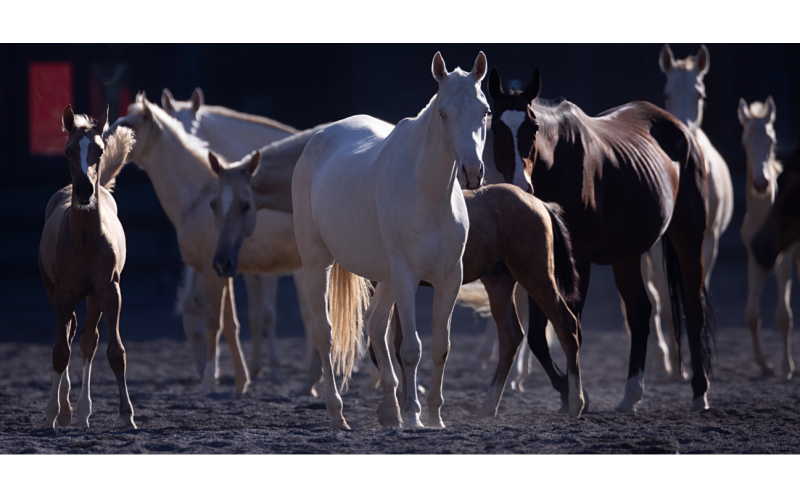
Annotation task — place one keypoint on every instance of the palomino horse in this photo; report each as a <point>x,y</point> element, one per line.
<point>81,255</point>
<point>625,178</point>
<point>232,135</point>
<point>383,203</point>
<point>512,236</point>
<point>685,93</point>
<point>758,138</point>
<point>177,165</point>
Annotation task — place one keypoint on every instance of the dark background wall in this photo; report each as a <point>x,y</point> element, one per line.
<point>304,85</point>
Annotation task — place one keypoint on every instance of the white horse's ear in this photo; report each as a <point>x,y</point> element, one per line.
<point>214,163</point>
<point>255,161</point>
<point>666,61</point>
<point>197,99</point>
<point>68,119</point>
<point>438,68</point>
<point>167,101</point>
<point>770,105</point>
<point>141,96</point>
<point>102,123</point>
<point>743,112</point>
<point>479,69</point>
<point>703,61</point>
<point>147,113</point>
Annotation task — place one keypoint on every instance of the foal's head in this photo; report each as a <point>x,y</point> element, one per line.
<point>463,112</point>
<point>685,90</point>
<point>758,139</point>
<point>514,128</point>
<point>84,149</point>
<point>183,111</point>
<point>234,209</point>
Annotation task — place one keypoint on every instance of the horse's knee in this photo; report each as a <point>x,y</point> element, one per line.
<point>116,357</point>
<point>88,343</point>
<point>783,317</point>
<point>752,316</point>
<point>61,355</point>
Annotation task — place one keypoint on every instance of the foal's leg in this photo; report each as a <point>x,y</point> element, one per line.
<point>65,414</point>
<point>214,293</point>
<point>521,367</point>
<point>628,277</point>
<point>500,288</point>
<point>444,300</point>
<point>405,288</point>
<point>230,328</point>
<point>88,342</point>
<point>752,312</point>
<point>116,352</point>
<point>58,404</point>
<point>783,311</point>
<point>378,314</point>
<point>255,316</point>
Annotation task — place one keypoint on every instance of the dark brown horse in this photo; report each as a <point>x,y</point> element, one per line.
<point>624,179</point>
<point>781,229</point>
<point>81,255</point>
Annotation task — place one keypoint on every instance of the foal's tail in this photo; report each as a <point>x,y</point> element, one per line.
<point>566,273</point>
<point>118,145</point>
<point>348,299</point>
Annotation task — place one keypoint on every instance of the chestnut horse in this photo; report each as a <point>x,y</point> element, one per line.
<point>81,255</point>
<point>624,179</point>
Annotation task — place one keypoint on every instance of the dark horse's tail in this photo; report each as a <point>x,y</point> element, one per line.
<point>566,273</point>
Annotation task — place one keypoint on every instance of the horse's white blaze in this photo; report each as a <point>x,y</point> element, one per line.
<point>227,199</point>
<point>513,120</point>
<point>84,153</point>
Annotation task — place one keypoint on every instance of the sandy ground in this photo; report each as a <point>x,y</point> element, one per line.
<point>749,414</point>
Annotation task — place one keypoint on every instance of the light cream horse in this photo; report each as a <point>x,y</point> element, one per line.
<point>177,164</point>
<point>758,139</point>
<point>232,135</point>
<point>684,93</point>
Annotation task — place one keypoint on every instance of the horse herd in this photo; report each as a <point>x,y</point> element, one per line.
<point>363,212</point>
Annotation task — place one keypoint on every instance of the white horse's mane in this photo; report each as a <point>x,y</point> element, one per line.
<point>223,114</point>
<point>176,132</point>
<point>286,143</point>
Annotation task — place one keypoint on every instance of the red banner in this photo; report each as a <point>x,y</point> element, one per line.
<point>49,90</point>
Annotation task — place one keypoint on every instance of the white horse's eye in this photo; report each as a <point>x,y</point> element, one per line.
<point>442,115</point>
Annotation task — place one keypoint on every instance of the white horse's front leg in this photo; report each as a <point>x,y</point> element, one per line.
<point>752,312</point>
<point>783,311</point>
<point>444,299</point>
<point>380,309</point>
<point>405,289</point>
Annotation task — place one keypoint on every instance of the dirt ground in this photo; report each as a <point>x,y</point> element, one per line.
<point>749,414</point>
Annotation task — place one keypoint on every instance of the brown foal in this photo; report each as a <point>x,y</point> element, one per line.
<point>81,255</point>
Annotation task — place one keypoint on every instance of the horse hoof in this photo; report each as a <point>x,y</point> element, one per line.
<point>436,425</point>
<point>488,411</point>
<point>204,388</point>
<point>306,391</point>
<point>700,404</point>
<point>414,423</point>
<point>340,424</point>
<point>65,419</point>
<point>242,388</point>
<point>390,418</point>
<point>626,406</point>
<point>767,370</point>
<point>254,371</point>
<point>127,421</point>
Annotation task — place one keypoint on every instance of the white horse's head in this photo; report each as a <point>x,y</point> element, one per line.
<point>141,120</point>
<point>463,111</point>
<point>685,90</point>
<point>758,139</point>
<point>183,111</point>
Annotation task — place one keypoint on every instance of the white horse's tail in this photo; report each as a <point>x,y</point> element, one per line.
<point>118,145</point>
<point>474,296</point>
<point>348,298</point>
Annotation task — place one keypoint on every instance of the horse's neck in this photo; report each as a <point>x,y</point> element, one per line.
<point>82,220</point>
<point>234,137</point>
<point>178,175</point>
<point>434,174</point>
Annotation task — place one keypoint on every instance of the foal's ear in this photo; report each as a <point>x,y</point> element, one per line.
<point>102,123</point>
<point>703,61</point>
<point>255,161</point>
<point>438,68</point>
<point>68,119</point>
<point>666,60</point>
<point>743,112</point>
<point>214,163</point>
<point>197,99</point>
<point>167,101</point>
<point>534,87</point>
<point>770,105</point>
<point>495,85</point>
<point>479,69</point>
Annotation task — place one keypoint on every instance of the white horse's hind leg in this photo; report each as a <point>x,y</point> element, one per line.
<point>752,312</point>
<point>657,350</point>
<point>378,315</point>
<point>312,365</point>
<point>783,311</point>
<point>444,300</point>
<point>405,288</point>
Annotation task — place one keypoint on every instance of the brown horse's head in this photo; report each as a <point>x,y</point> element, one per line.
<point>84,149</point>
<point>781,229</point>
<point>183,111</point>
<point>514,127</point>
<point>234,209</point>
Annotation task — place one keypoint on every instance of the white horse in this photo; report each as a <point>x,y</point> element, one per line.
<point>232,135</point>
<point>684,93</point>
<point>384,203</point>
<point>758,139</point>
<point>177,164</point>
